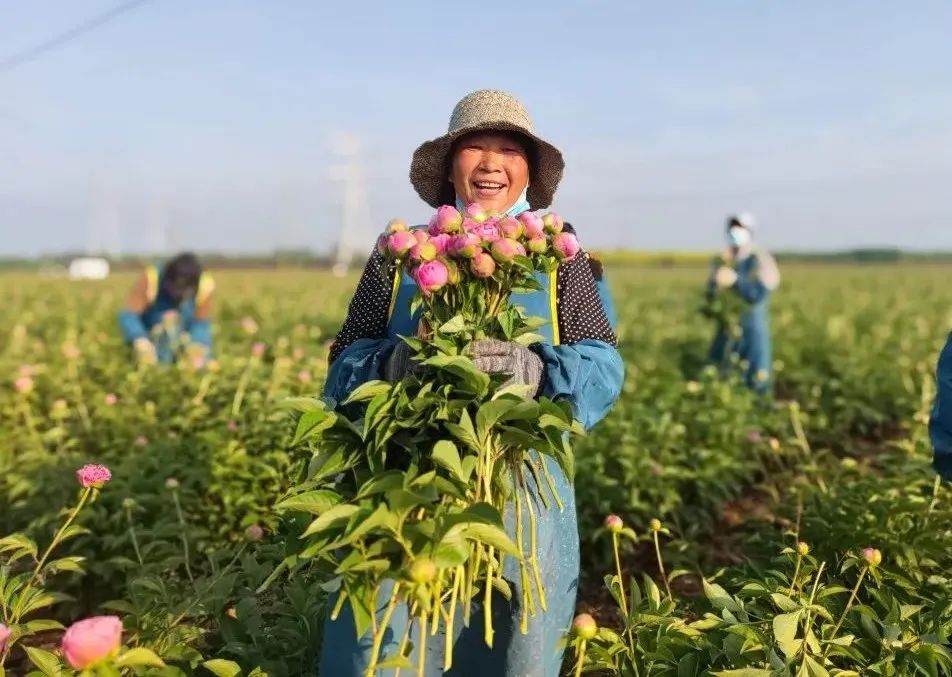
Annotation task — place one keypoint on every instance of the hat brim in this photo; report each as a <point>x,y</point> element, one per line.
<point>429,170</point>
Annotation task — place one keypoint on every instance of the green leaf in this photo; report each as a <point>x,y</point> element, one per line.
<point>446,455</point>
<point>455,324</point>
<point>488,534</point>
<point>72,531</point>
<point>139,656</point>
<point>311,423</point>
<point>451,552</point>
<point>40,625</point>
<point>368,391</point>
<point>315,502</point>
<point>785,628</point>
<point>73,563</point>
<point>743,672</point>
<point>814,669</point>
<point>718,597</point>
<point>382,483</point>
<point>784,602</point>
<point>47,662</point>
<point>332,518</point>
<point>222,668</point>
<point>20,544</point>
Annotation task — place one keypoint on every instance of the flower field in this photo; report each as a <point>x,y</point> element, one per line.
<point>804,536</point>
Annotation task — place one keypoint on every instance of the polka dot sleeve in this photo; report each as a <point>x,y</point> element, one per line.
<point>580,310</point>
<point>368,310</point>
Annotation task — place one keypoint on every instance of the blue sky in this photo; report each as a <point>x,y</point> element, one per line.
<point>209,124</point>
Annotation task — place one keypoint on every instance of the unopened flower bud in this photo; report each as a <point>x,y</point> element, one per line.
<point>614,524</point>
<point>654,525</point>
<point>803,549</point>
<point>585,626</point>
<point>873,557</point>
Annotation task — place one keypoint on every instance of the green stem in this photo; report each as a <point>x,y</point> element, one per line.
<point>487,600</point>
<point>533,538</point>
<point>581,658</point>
<point>809,620</point>
<point>849,605</point>
<point>379,633</point>
<point>132,535</point>
<point>451,619</point>
<point>796,572</point>
<point>181,520</point>
<point>664,576</point>
<point>421,665</point>
<point>240,391</point>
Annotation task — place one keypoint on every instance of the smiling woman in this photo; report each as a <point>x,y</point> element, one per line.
<point>493,166</point>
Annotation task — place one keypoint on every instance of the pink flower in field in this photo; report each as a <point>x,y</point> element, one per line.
<point>298,353</point>
<point>538,245</point>
<point>482,265</point>
<point>510,227</point>
<point>476,213</point>
<point>92,640</point>
<point>614,523</point>
<point>110,399</point>
<point>91,475</point>
<point>431,276</point>
<point>248,325</point>
<point>441,242</point>
<point>254,533</point>
<point>5,633</point>
<point>397,226</point>
<point>399,243</point>
<point>873,557</point>
<point>532,223</point>
<point>141,441</point>
<point>504,250</point>
<point>24,385</point>
<point>464,245</point>
<point>257,350</point>
<point>447,220</point>
<point>552,223</point>
<point>304,376</point>
<point>566,246</point>
<point>232,425</point>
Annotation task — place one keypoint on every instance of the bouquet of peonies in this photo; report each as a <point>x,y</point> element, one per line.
<point>408,495</point>
<point>723,304</point>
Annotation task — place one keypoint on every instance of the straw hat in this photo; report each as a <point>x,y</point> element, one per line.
<point>485,110</point>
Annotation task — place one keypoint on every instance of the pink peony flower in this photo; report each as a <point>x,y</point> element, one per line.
<point>476,213</point>
<point>482,265</point>
<point>381,245</point>
<point>464,245</point>
<point>566,246</point>
<point>5,633</point>
<point>552,223</point>
<point>110,399</point>
<point>420,235</point>
<point>397,226</point>
<point>423,251</point>
<point>248,325</point>
<point>304,376</point>
<point>92,640</point>
<point>486,232</point>
<point>532,223</point>
<point>431,276</point>
<point>504,250</point>
<point>510,227</point>
<point>254,533</point>
<point>399,243</point>
<point>447,220</point>
<point>24,385</point>
<point>441,242</point>
<point>538,245</point>
<point>873,557</point>
<point>257,350</point>
<point>614,524</point>
<point>91,475</point>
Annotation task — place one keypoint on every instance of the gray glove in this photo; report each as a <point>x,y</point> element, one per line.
<point>501,357</point>
<point>399,364</point>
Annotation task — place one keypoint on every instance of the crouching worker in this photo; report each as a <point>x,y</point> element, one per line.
<point>168,312</point>
<point>940,426</point>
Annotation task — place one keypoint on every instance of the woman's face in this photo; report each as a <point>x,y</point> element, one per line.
<point>490,169</point>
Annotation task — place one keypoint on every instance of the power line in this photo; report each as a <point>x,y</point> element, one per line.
<point>36,51</point>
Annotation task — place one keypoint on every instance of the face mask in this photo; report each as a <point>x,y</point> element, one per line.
<point>738,236</point>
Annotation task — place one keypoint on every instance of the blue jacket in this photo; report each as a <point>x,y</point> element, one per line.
<point>940,425</point>
<point>148,324</point>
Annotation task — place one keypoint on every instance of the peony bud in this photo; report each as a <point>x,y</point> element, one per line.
<point>803,549</point>
<point>487,232</point>
<point>110,399</point>
<point>452,270</point>
<point>304,376</point>
<point>464,245</point>
<point>254,533</point>
<point>298,354</point>
<point>399,243</point>
<point>585,626</point>
<point>654,525</point>
<point>128,503</point>
<point>423,251</point>
<point>441,242</point>
<point>754,436</point>
<point>482,265</point>
<point>447,220</point>
<point>93,475</point>
<point>532,223</point>
<point>92,640</point>
<point>248,325</point>
<point>171,484</point>
<point>422,570</point>
<point>141,441</point>
<point>232,613</point>
<point>257,350</point>
<point>537,245</point>
<point>614,524</point>
<point>510,227</point>
<point>552,223</point>
<point>5,633</point>
<point>476,213</point>
<point>381,245</point>
<point>873,557</point>
<point>232,425</point>
<point>397,226</point>
<point>24,385</point>
<point>431,276</point>
<point>505,250</point>
<point>70,351</point>
<point>566,246</point>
